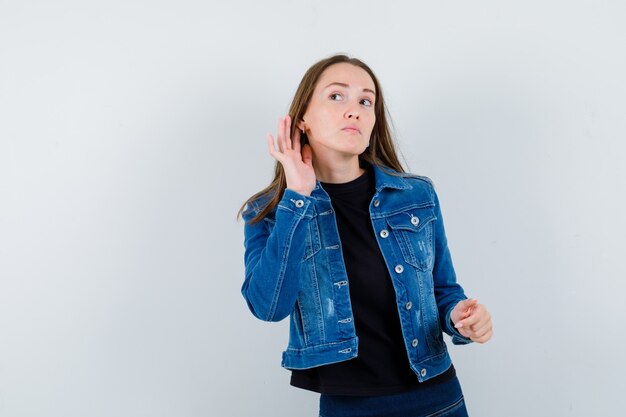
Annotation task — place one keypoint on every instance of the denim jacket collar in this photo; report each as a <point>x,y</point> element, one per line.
<point>382,178</point>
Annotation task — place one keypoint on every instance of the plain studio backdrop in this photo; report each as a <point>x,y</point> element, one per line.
<point>132,131</point>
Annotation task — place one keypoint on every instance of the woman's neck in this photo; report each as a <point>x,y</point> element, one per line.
<point>338,173</point>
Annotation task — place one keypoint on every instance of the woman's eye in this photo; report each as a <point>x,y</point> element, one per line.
<point>367,102</point>
<point>335,96</point>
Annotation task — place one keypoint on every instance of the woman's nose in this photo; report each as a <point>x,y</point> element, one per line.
<point>352,114</point>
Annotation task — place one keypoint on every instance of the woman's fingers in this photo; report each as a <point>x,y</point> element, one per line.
<point>284,128</point>
<point>481,332</point>
<point>481,326</point>
<point>467,322</point>
<point>272,148</point>
<point>472,324</point>
<point>483,339</point>
<point>284,135</point>
<point>296,141</point>
<point>287,134</point>
<point>463,309</point>
<point>280,133</point>
<point>478,326</point>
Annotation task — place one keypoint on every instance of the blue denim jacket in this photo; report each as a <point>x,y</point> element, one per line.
<point>294,267</point>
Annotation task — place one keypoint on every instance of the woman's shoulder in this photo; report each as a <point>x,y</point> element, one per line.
<point>416,180</point>
<point>420,185</point>
<point>406,180</point>
<point>406,175</point>
<point>421,180</point>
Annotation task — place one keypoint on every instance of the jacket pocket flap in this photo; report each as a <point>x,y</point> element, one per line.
<point>412,220</point>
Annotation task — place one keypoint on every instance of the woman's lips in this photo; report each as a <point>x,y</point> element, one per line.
<point>351,129</point>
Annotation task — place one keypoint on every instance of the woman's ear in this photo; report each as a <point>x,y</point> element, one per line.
<point>301,125</point>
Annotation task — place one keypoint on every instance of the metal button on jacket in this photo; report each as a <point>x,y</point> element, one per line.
<point>414,342</point>
<point>376,203</point>
<point>299,203</point>
<point>408,305</point>
<point>399,269</point>
<point>423,372</point>
<point>384,233</point>
<point>415,220</point>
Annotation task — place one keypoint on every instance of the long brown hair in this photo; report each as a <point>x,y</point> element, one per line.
<point>380,152</point>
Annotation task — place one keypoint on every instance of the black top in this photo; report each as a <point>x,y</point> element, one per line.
<point>382,366</point>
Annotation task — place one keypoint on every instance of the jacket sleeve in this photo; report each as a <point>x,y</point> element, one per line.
<point>273,259</point>
<point>447,291</point>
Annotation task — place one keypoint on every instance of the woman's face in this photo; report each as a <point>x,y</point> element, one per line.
<point>340,116</point>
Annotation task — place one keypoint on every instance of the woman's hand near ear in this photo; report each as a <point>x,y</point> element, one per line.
<point>472,320</point>
<point>297,163</point>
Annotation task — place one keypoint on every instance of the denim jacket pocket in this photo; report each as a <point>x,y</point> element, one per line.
<point>413,230</point>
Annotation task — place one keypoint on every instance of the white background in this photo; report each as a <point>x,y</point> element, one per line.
<point>132,131</point>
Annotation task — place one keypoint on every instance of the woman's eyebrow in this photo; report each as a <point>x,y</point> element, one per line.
<point>346,86</point>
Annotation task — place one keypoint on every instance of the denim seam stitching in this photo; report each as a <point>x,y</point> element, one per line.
<point>320,321</point>
<point>322,345</point>
<point>425,204</point>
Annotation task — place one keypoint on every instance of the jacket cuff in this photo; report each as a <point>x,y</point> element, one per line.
<point>295,202</point>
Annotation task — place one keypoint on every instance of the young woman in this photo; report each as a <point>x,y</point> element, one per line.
<point>353,249</point>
